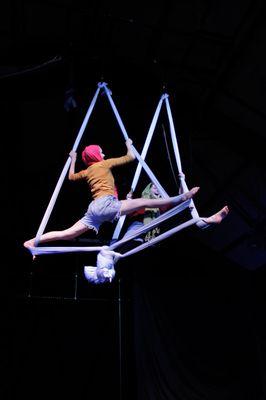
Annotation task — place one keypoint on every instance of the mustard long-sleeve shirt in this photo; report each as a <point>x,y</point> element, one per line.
<point>99,176</point>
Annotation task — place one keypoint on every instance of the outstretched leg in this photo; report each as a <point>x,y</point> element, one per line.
<point>129,206</point>
<point>218,217</point>
<point>67,234</point>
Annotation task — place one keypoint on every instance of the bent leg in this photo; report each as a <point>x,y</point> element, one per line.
<point>67,234</point>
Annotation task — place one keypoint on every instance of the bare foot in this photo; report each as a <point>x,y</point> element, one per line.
<point>218,217</point>
<point>188,195</point>
<point>29,244</point>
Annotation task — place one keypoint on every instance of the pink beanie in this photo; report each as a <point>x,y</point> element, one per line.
<point>91,154</point>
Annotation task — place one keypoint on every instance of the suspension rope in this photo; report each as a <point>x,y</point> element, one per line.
<point>169,157</point>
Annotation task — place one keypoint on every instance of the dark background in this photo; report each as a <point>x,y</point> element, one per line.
<point>183,320</point>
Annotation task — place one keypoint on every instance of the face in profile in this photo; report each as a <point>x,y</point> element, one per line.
<point>154,190</point>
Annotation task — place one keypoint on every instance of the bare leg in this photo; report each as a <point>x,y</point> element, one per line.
<point>218,217</point>
<point>129,206</point>
<point>70,233</point>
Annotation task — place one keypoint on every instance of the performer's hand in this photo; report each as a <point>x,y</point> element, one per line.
<point>130,195</point>
<point>73,154</point>
<point>129,142</point>
<point>129,148</point>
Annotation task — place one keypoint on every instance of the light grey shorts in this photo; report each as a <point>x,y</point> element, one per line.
<point>106,208</point>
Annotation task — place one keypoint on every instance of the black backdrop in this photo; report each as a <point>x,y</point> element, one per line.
<point>179,322</point>
<point>184,321</point>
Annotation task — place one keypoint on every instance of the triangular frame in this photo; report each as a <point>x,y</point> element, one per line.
<point>51,204</point>
<point>35,250</point>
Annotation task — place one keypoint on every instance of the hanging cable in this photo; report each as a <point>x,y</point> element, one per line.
<point>169,157</point>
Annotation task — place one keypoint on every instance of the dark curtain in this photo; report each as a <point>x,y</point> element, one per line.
<point>199,325</point>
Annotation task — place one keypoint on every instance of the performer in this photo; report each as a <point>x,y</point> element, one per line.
<point>105,205</point>
<point>146,215</point>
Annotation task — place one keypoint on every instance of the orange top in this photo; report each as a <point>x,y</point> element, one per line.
<point>99,176</point>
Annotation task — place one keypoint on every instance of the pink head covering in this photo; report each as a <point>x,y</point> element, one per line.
<point>91,154</point>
